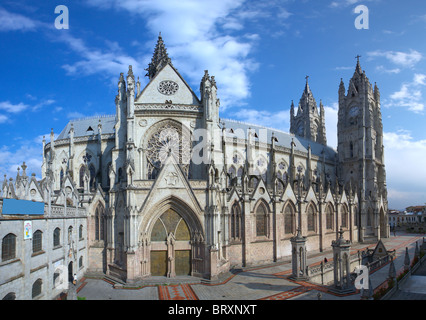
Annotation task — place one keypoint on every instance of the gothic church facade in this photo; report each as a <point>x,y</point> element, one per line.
<point>152,210</point>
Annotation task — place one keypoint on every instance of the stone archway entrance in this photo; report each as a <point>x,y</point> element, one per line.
<point>171,249</point>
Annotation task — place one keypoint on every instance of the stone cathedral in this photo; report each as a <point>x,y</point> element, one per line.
<point>172,189</point>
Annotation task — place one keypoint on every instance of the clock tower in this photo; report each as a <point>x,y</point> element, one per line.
<point>361,165</point>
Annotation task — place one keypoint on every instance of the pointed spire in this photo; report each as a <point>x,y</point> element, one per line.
<point>159,58</point>
<point>24,169</point>
<point>341,86</point>
<point>307,89</point>
<point>130,72</point>
<point>138,86</point>
<point>358,66</point>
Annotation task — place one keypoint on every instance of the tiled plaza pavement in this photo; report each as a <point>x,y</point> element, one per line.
<point>264,282</point>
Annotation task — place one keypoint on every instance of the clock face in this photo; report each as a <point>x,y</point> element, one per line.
<point>353,112</point>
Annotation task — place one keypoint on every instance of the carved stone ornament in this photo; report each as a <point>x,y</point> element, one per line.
<point>168,87</point>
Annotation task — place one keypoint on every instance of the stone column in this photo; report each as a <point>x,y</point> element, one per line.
<point>171,271</point>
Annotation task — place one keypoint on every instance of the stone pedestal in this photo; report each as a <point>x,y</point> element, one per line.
<point>298,257</point>
<point>341,256</point>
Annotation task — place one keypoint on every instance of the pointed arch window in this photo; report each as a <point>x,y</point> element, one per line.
<point>99,223</point>
<point>37,287</point>
<point>61,177</point>
<point>56,237</point>
<point>236,222</point>
<point>344,216</point>
<point>69,234</point>
<point>329,218</point>
<point>355,215</point>
<point>8,247</point>
<point>289,219</point>
<point>312,215</point>
<point>81,176</point>
<point>92,181</point>
<point>37,241</point>
<point>232,172</point>
<point>262,220</point>
<point>10,296</point>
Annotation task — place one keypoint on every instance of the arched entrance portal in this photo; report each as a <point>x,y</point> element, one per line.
<point>170,246</point>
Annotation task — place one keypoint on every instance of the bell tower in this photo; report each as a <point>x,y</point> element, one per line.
<point>308,122</point>
<point>360,152</point>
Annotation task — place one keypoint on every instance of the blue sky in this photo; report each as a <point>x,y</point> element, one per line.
<point>259,52</point>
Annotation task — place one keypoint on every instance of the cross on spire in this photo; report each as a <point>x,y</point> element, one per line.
<point>358,66</point>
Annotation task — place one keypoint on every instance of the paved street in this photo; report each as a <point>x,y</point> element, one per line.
<point>264,282</point>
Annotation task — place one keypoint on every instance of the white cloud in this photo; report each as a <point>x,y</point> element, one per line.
<point>419,79</point>
<point>3,118</point>
<point>9,107</point>
<point>12,157</point>
<point>191,30</point>
<point>16,22</point>
<point>278,120</point>
<point>346,3</point>
<point>110,62</point>
<point>13,108</point>
<point>43,103</point>
<point>385,70</point>
<point>75,115</point>
<point>410,95</point>
<point>331,113</point>
<point>403,59</point>
<point>405,170</point>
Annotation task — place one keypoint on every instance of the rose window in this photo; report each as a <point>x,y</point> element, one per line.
<point>168,140</point>
<point>168,87</point>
